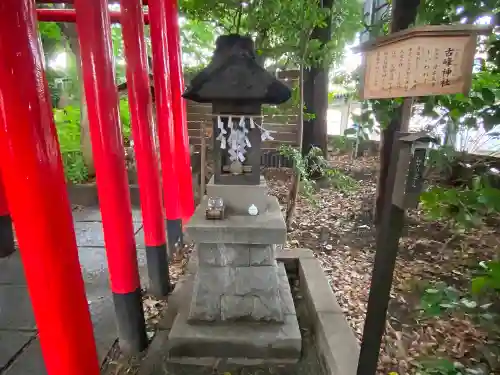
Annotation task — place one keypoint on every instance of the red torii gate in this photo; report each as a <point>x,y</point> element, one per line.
<point>33,176</point>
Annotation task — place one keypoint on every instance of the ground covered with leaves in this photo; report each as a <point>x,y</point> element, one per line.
<point>435,325</point>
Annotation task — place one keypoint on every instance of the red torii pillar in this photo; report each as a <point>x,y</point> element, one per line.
<point>38,201</point>
<point>94,29</point>
<point>165,120</point>
<point>7,246</point>
<point>140,103</point>
<point>179,111</point>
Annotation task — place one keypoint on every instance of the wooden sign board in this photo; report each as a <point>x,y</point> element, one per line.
<point>430,60</point>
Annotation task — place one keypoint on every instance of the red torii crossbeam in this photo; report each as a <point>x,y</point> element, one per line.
<point>145,2</point>
<point>69,15</point>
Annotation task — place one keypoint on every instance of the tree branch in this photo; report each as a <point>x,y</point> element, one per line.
<point>238,20</point>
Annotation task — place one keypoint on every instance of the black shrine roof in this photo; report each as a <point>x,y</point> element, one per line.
<point>234,75</point>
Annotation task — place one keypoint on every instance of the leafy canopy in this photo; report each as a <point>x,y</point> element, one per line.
<point>280,28</point>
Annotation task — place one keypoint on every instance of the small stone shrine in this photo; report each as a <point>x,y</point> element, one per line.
<point>241,304</point>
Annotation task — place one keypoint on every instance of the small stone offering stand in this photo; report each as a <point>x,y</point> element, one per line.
<point>241,304</point>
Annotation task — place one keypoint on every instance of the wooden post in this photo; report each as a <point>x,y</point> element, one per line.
<point>388,236</point>
<point>203,157</point>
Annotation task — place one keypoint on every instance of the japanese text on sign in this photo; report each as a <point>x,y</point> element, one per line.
<point>417,67</point>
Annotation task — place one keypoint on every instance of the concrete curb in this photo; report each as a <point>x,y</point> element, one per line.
<point>335,341</point>
<point>86,195</point>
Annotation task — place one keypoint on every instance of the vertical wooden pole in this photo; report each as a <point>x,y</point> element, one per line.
<point>203,157</point>
<point>388,236</point>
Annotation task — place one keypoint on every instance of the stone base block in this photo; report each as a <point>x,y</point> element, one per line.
<point>239,197</point>
<point>258,341</point>
<point>266,228</point>
<point>236,293</point>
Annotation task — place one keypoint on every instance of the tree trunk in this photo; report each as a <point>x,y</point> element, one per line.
<point>69,30</point>
<point>316,93</point>
<point>404,13</point>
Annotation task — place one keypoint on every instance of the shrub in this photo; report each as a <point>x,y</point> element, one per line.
<point>67,122</point>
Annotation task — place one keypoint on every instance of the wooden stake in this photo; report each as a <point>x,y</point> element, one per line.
<point>203,159</point>
<point>294,189</point>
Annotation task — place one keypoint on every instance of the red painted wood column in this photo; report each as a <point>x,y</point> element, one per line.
<point>7,246</point>
<point>179,111</point>
<point>139,95</point>
<point>34,182</point>
<point>165,120</point>
<point>112,183</point>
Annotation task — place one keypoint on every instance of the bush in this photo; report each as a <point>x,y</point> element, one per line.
<point>488,279</point>
<point>462,207</point>
<point>340,144</point>
<point>314,164</point>
<point>67,122</point>
<point>75,169</point>
<point>125,120</point>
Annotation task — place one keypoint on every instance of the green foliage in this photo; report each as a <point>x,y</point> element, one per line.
<point>49,31</point>
<point>340,181</point>
<point>462,208</point>
<point>314,164</point>
<point>281,28</point>
<point>479,107</point>
<point>51,36</point>
<point>118,53</point>
<point>366,123</point>
<point>300,166</point>
<point>489,278</point>
<point>74,167</point>
<point>55,89</point>
<point>68,131</point>
<point>198,39</point>
<point>439,366</point>
<point>437,299</point>
<point>442,160</point>
<point>125,119</point>
<point>340,144</point>
<point>68,128</point>
<point>440,298</point>
<point>439,12</point>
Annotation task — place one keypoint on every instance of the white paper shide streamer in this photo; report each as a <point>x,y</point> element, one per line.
<point>236,135</point>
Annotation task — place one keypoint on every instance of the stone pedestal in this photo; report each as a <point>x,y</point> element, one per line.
<point>241,298</point>
<point>236,282</point>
